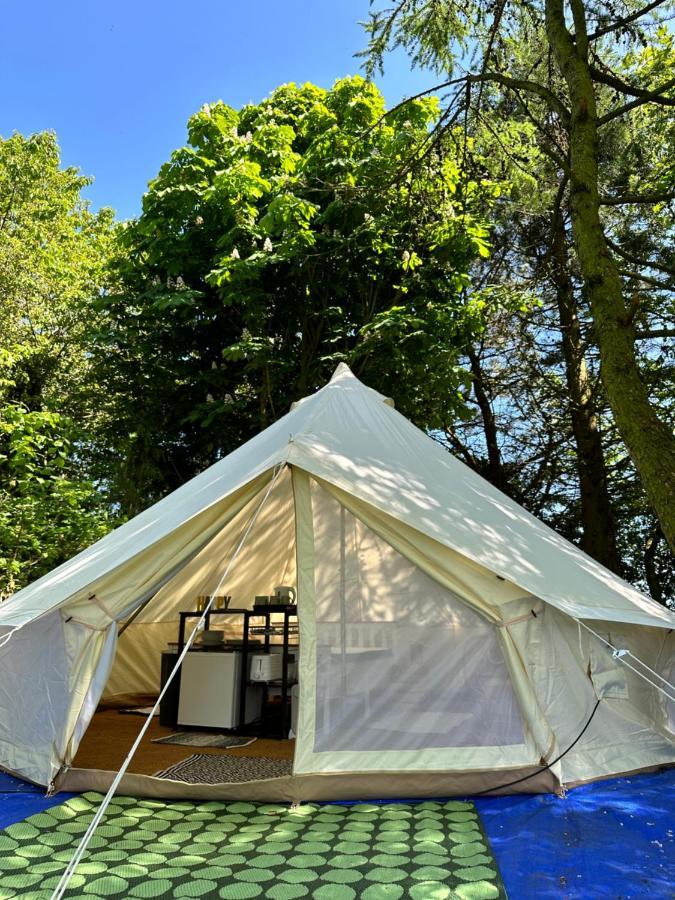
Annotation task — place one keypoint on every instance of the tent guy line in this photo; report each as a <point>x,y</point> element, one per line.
<point>619,653</point>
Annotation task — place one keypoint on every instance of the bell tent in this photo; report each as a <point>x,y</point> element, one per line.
<point>449,641</point>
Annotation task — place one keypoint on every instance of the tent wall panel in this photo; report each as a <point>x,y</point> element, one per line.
<point>624,734</point>
<point>44,693</point>
<point>405,674</point>
<point>495,598</point>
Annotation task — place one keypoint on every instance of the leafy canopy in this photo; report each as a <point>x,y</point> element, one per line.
<point>53,253</point>
<point>282,239</point>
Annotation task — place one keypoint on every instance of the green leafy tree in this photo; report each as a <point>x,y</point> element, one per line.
<point>542,428</point>
<point>53,254</point>
<point>284,238</point>
<point>556,63</point>
<point>49,509</point>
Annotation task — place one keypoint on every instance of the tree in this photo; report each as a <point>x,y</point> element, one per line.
<point>284,238</point>
<point>555,62</point>
<point>53,252</point>
<point>541,411</point>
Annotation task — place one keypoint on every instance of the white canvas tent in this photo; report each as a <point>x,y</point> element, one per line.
<point>443,629</point>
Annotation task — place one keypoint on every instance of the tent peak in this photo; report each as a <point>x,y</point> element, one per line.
<point>344,374</point>
<point>343,377</point>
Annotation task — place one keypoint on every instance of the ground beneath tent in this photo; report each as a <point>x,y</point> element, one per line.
<point>147,848</point>
<point>18,799</point>
<point>611,839</point>
<point>110,734</point>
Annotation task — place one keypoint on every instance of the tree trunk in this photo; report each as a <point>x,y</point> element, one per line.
<point>650,442</point>
<point>653,581</point>
<point>495,470</point>
<point>597,517</point>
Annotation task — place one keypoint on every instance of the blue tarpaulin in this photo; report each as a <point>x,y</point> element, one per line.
<point>608,839</point>
<point>18,800</point>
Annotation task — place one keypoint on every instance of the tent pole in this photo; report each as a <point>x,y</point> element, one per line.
<point>343,607</point>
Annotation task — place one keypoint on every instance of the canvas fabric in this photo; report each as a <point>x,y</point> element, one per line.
<point>396,671</point>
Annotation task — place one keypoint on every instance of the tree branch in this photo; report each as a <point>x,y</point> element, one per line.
<point>648,97</point>
<point>531,87</point>
<point>626,20</point>
<point>654,333</point>
<point>654,282</point>
<point>613,81</point>
<point>656,197</point>
<point>636,259</point>
<point>523,84</point>
<point>580,29</point>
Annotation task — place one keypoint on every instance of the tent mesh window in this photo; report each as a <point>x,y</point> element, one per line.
<point>402,663</point>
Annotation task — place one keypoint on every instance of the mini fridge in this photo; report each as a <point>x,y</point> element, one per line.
<point>210,689</point>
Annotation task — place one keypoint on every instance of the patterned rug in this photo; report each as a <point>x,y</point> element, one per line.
<point>204,739</point>
<point>149,848</point>
<point>201,768</point>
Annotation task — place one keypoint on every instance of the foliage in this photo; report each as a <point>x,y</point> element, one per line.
<point>581,76</point>
<point>53,253</point>
<point>284,238</point>
<point>48,510</point>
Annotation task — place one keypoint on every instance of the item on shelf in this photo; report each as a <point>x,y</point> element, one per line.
<point>219,602</point>
<point>238,643</point>
<point>283,595</point>
<point>261,600</point>
<point>274,630</point>
<point>212,637</point>
<point>266,667</point>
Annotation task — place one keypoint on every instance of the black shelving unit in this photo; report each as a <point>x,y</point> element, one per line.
<point>266,630</point>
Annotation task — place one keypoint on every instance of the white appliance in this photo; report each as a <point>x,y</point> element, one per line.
<point>266,666</point>
<point>209,691</point>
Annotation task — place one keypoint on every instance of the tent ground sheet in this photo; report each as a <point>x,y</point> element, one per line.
<point>149,848</point>
<point>611,839</point>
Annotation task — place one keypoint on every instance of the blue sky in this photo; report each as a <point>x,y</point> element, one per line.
<point>118,80</point>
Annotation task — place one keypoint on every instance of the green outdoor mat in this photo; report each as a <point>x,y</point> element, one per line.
<point>149,848</point>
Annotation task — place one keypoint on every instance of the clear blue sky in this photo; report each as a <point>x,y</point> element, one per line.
<point>118,80</point>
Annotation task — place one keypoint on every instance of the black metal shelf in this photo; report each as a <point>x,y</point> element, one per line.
<point>247,648</point>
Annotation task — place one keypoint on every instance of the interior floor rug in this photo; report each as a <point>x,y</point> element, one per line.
<point>204,739</point>
<point>201,768</point>
<point>152,848</point>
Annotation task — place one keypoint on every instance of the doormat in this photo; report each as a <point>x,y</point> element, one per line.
<point>202,768</point>
<point>152,848</point>
<point>204,739</point>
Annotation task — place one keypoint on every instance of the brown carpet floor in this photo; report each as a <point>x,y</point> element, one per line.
<point>111,734</point>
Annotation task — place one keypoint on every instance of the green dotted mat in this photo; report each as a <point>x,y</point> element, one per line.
<point>148,848</point>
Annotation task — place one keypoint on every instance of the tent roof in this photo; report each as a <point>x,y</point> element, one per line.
<point>350,436</point>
